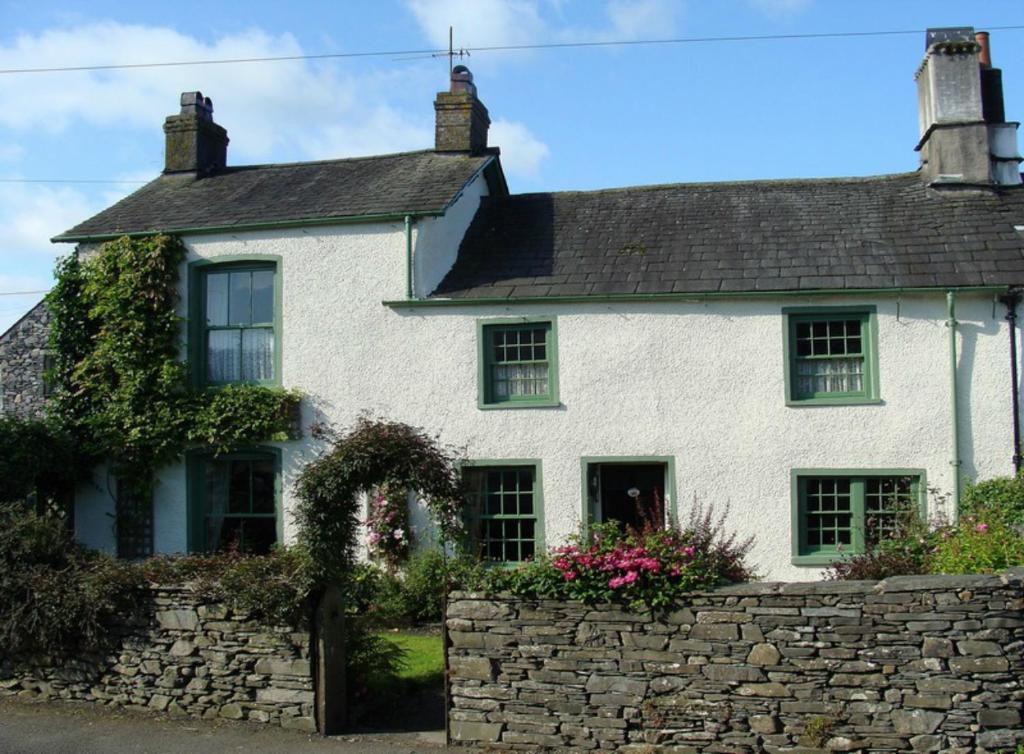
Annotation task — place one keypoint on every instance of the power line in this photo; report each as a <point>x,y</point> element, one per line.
<point>22,293</point>
<point>492,48</point>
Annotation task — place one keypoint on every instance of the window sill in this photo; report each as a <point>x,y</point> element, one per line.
<point>519,404</point>
<point>819,559</point>
<point>847,401</point>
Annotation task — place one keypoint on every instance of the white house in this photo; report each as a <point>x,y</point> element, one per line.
<point>805,351</point>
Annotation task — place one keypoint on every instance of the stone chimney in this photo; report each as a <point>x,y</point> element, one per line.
<point>462,120</point>
<point>194,143</point>
<point>964,136</point>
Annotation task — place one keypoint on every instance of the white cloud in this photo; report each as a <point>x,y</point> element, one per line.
<point>639,19</point>
<point>779,8</point>
<point>521,152</point>
<point>30,214</point>
<point>266,107</point>
<point>479,23</point>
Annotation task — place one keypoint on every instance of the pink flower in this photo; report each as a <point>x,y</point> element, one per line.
<point>616,582</point>
<point>981,528</point>
<point>569,575</point>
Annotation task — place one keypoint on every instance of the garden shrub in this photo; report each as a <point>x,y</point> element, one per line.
<point>55,595</point>
<point>1000,498</point>
<point>977,546</point>
<point>646,568</point>
<point>34,458</point>
<point>415,595</point>
<point>985,539</point>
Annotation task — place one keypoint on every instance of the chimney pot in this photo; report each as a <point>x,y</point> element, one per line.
<point>462,81</point>
<point>194,143</point>
<point>985,55</point>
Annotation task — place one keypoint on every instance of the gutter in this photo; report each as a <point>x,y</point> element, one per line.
<point>408,257</point>
<point>612,298</point>
<point>271,225</point>
<point>1011,300</point>
<point>951,323</point>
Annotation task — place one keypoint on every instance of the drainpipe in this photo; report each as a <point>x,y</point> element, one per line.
<point>1011,300</point>
<point>951,323</point>
<point>408,258</point>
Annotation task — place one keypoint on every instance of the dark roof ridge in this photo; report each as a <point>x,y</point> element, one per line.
<point>721,184</point>
<point>332,161</point>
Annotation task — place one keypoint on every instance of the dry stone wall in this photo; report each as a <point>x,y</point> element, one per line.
<point>184,657</point>
<point>909,664</point>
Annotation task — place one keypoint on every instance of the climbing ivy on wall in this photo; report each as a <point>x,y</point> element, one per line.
<point>120,389</point>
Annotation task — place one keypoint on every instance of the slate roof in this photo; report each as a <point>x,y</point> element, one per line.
<point>406,183</point>
<point>878,232</point>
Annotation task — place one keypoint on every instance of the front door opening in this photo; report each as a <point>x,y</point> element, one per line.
<point>630,493</point>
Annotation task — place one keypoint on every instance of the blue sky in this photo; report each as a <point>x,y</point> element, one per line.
<point>565,119</point>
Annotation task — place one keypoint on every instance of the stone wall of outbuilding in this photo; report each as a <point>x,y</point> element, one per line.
<point>922,664</point>
<point>23,351</point>
<point>184,657</point>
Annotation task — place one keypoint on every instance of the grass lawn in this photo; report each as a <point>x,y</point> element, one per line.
<point>423,662</point>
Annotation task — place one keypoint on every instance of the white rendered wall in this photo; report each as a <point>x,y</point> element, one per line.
<point>436,239</point>
<point>702,382</point>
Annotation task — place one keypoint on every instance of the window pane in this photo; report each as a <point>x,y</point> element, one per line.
<point>239,490</point>
<point>505,522</point>
<point>258,535</point>
<point>827,512</point>
<point>217,299</point>
<point>263,486</point>
<point>263,296</point>
<point>223,356</point>
<point>257,354</point>
<point>238,503</point>
<point>240,300</point>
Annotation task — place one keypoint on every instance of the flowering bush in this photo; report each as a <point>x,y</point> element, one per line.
<point>976,546</point>
<point>646,568</point>
<point>388,536</point>
<point>983,541</point>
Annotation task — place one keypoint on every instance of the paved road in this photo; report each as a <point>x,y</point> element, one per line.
<point>70,728</point>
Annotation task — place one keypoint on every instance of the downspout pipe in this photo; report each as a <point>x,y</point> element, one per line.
<point>408,258</point>
<point>1011,300</point>
<point>951,325</point>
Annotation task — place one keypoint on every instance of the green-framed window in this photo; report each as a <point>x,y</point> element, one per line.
<point>831,355</point>
<point>236,321</point>
<point>846,512</point>
<point>518,363</point>
<point>504,519</point>
<point>234,501</point>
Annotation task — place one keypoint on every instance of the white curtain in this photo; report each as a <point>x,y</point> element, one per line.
<point>830,376</point>
<point>520,379</point>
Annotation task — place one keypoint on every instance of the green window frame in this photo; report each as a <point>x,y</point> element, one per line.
<point>517,363</point>
<point>838,512</point>
<point>234,500</point>
<point>236,302</point>
<point>504,516</point>
<point>831,355</point>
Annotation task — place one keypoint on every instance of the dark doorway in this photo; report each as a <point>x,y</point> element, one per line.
<point>630,493</point>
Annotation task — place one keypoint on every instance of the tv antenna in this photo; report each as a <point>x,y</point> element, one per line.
<point>452,53</point>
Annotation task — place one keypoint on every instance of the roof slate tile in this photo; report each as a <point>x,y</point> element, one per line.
<point>822,234</point>
<point>395,184</point>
